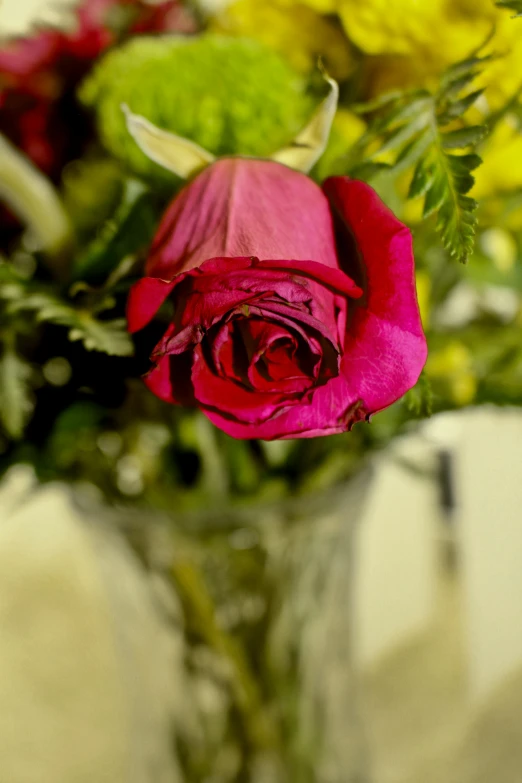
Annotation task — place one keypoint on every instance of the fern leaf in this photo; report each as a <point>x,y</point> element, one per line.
<point>511,5</point>
<point>413,125</point>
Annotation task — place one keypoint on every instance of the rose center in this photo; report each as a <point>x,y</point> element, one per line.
<point>267,356</point>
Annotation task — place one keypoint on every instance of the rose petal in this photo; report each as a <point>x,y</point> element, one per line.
<point>170,379</point>
<point>244,207</point>
<point>385,347</point>
<point>214,392</point>
<point>293,281</point>
<point>330,410</point>
<point>145,299</point>
<point>334,279</point>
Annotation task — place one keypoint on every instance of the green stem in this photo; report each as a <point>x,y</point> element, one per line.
<point>190,582</point>
<point>32,197</point>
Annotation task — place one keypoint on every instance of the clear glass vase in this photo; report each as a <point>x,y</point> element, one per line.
<point>269,690</point>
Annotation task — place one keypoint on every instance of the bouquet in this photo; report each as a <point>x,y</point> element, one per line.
<point>244,247</point>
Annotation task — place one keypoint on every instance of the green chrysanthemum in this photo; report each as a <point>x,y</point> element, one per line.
<point>231,96</point>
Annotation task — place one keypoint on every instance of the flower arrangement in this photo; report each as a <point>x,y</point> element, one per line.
<point>232,240</point>
<point>318,327</point>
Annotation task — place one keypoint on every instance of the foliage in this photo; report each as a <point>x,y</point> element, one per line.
<point>419,400</point>
<point>261,539</point>
<point>511,5</point>
<point>421,129</point>
<point>72,373</point>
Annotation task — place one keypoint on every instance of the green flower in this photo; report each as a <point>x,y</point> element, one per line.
<point>231,96</point>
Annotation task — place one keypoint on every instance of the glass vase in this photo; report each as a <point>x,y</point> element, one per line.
<point>269,691</point>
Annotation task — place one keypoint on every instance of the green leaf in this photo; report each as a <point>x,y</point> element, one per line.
<point>412,124</point>
<point>457,225</point>
<point>436,193</point>
<point>403,133</point>
<point>511,5</point>
<point>460,168</point>
<point>369,169</point>
<point>15,401</point>
<point>463,137</point>
<point>457,108</point>
<point>129,232</point>
<point>108,337</point>
<point>422,179</point>
<point>419,400</point>
<point>378,103</point>
<point>461,73</point>
<point>411,153</point>
<point>453,87</point>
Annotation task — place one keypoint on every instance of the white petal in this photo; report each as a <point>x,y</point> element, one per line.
<point>310,143</point>
<point>173,152</point>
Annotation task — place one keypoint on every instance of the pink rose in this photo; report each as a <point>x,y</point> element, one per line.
<point>294,307</point>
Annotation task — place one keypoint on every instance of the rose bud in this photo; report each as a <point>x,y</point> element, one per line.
<point>294,307</point>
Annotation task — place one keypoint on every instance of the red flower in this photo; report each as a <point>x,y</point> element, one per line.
<point>39,74</point>
<point>295,312</point>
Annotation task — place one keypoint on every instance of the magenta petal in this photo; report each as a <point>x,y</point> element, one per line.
<point>244,207</point>
<point>182,341</point>
<point>170,379</point>
<point>145,299</point>
<point>332,409</point>
<point>158,380</point>
<point>385,347</point>
<point>232,399</point>
<point>332,278</point>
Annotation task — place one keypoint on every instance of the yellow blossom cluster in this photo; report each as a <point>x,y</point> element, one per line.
<point>395,45</point>
<point>405,42</point>
<point>295,30</point>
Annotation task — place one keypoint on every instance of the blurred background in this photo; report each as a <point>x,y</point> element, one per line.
<point>179,607</point>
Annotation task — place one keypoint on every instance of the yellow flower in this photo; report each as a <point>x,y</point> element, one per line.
<point>410,42</point>
<point>295,30</point>
<point>321,6</point>
<point>500,174</point>
<point>423,284</point>
<point>501,247</point>
<point>401,27</point>
<point>441,30</point>
<point>452,368</point>
<point>501,169</point>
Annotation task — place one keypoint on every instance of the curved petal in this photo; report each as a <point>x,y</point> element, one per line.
<point>170,379</point>
<point>332,409</point>
<point>145,299</point>
<point>334,279</point>
<point>235,401</point>
<point>385,347</point>
<point>243,207</point>
<point>167,149</point>
<point>295,287</point>
<point>310,143</point>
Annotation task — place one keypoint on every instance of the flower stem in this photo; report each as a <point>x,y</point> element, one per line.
<point>259,729</point>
